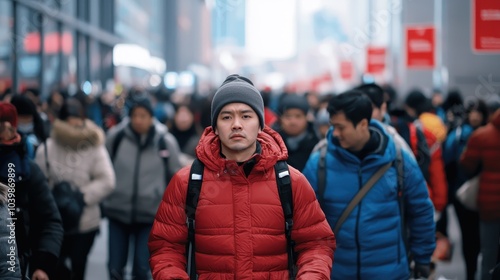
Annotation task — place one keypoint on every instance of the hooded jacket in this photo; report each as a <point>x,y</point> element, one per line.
<point>240,231</point>
<point>482,154</point>
<point>140,174</point>
<point>78,156</point>
<point>370,243</point>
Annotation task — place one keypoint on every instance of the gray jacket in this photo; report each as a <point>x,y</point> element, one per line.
<point>140,174</point>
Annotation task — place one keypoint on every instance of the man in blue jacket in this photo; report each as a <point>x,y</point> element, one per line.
<point>370,243</point>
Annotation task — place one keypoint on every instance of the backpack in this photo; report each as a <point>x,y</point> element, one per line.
<point>193,193</point>
<point>162,151</point>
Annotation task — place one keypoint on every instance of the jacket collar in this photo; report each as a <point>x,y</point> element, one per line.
<point>272,147</point>
<point>381,151</point>
<point>77,137</point>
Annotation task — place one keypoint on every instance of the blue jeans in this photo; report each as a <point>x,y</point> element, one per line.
<point>119,239</point>
<point>490,233</point>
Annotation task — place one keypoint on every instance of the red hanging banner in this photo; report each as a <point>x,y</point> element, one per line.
<point>346,70</point>
<point>375,60</point>
<point>485,26</point>
<point>420,47</point>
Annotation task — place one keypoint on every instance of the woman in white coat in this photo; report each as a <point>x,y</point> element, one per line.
<point>76,154</point>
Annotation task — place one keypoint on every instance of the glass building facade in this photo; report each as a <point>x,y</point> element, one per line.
<point>53,44</point>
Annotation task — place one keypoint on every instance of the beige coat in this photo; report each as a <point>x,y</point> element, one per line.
<point>78,155</point>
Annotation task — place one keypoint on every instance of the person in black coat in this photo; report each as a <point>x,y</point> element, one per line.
<point>38,227</point>
<point>298,133</point>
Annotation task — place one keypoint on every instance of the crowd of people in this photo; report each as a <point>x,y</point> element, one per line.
<point>246,183</point>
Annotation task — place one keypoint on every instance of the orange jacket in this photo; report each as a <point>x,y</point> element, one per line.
<point>437,184</point>
<point>435,125</point>
<point>483,151</point>
<point>240,230</point>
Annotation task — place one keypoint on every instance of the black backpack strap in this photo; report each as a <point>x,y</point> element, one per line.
<point>193,194</point>
<point>284,183</point>
<point>322,174</point>
<point>164,154</point>
<point>116,143</point>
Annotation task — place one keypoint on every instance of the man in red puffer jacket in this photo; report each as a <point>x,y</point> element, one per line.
<point>240,223</point>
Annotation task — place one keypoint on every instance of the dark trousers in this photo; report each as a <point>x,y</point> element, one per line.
<point>120,235</point>
<point>469,226</point>
<point>76,248</point>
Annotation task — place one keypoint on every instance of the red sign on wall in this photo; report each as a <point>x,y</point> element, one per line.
<point>485,26</point>
<point>375,60</point>
<point>346,70</point>
<point>420,47</point>
<point>53,43</point>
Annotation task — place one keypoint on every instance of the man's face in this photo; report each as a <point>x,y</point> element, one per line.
<point>350,137</point>
<point>437,99</point>
<point>475,118</point>
<point>237,127</point>
<point>183,118</point>
<point>141,120</point>
<point>293,122</point>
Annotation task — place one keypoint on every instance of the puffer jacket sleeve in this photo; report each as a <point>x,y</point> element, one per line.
<point>103,177</point>
<point>315,241</point>
<point>419,212</point>
<point>168,236</point>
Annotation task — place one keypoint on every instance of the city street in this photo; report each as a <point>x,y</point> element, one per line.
<point>455,270</point>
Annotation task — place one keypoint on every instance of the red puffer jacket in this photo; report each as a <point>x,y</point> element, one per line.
<point>239,220</point>
<point>483,151</point>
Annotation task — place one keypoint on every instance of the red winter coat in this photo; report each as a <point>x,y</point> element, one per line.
<point>240,230</point>
<point>483,150</point>
<point>437,184</point>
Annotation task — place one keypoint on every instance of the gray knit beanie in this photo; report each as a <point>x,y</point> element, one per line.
<point>237,89</point>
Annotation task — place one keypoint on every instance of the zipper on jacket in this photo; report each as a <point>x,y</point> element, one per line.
<point>136,185</point>
<point>357,226</point>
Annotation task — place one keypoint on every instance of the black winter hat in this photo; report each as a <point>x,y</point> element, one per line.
<point>415,99</point>
<point>293,101</point>
<point>71,107</point>
<point>24,105</point>
<point>237,89</point>
<point>142,103</point>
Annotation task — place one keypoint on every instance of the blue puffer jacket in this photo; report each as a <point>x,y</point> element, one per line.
<point>370,243</point>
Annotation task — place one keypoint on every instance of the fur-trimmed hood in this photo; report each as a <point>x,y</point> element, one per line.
<point>75,137</point>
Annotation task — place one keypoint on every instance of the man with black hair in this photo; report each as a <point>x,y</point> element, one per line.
<point>379,111</point>
<point>238,226</point>
<point>30,123</point>
<point>370,231</point>
<point>144,155</point>
<point>295,129</point>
